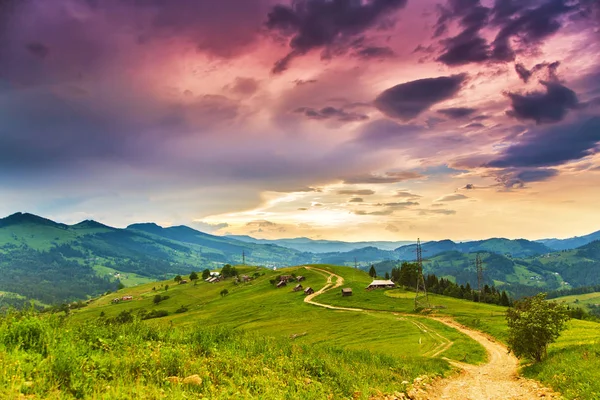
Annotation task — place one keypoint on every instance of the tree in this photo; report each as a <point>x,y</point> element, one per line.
<point>120,285</point>
<point>193,276</point>
<point>534,323</point>
<point>178,278</point>
<point>224,292</point>
<point>409,273</point>
<point>157,299</point>
<point>372,272</point>
<point>387,275</point>
<point>166,287</point>
<point>205,274</point>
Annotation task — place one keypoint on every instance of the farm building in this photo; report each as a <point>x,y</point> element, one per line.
<point>347,291</point>
<point>281,284</point>
<point>124,298</point>
<point>245,278</point>
<point>286,278</point>
<point>300,278</point>
<point>298,288</point>
<point>381,284</point>
<point>215,274</point>
<point>181,282</point>
<point>309,290</point>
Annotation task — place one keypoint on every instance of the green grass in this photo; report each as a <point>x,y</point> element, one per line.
<point>126,278</point>
<point>52,359</point>
<point>258,306</point>
<point>573,363</point>
<point>580,300</point>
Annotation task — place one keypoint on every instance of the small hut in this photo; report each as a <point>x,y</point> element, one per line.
<point>309,290</point>
<point>285,278</point>
<point>381,284</point>
<point>298,288</point>
<point>281,284</point>
<point>300,278</point>
<point>347,291</point>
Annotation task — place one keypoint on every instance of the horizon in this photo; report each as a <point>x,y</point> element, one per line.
<point>226,234</point>
<point>353,120</point>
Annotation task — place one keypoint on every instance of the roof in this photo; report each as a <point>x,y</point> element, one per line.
<point>347,290</point>
<point>381,282</point>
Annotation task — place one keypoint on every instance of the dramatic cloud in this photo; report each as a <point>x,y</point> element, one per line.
<point>525,74</point>
<point>375,52</point>
<point>388,177</point>
<point>457,112</point>
<point>407,100</point>
<point>451,197</point>
<point>331,113</point>
<point>327,25</point>
<point>552,146</point>
<point>526,22</point>
<point>358,192</point>
<point>551,106</point>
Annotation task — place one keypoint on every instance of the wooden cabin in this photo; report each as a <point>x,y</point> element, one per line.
<point>381,284</point>
<point>347,291</point>
<point>298,288</point>
<point>309,290</point>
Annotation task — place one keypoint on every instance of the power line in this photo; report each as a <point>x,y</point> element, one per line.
<point>421,297</point>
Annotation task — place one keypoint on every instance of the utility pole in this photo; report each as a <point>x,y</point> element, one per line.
<point>243,257</point>
<point>355,263</point>
<point>421,297</point>
<point>479,267</point>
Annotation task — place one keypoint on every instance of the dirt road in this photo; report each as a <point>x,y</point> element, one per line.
<point>497,379</point>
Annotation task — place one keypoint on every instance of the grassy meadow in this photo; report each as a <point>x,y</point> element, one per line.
<point>258,341</point>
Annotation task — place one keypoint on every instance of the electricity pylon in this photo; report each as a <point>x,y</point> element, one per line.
<point>421,298</point>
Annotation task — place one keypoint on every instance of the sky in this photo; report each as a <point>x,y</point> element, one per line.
<point>331,119</point>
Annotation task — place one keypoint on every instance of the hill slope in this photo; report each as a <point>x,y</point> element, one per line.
<point>52,262</point>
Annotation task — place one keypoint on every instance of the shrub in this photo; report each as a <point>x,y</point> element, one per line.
<point>534,323</point>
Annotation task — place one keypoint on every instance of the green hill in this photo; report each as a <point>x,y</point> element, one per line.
<point>259,341</point>
<point>51,262</point>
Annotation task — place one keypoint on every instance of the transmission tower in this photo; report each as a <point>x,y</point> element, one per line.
<point>243,257</point>
<point>421,298</point>
<point>479,267</point>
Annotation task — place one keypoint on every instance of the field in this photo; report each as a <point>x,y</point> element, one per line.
<point>581,300</point>
<point>257,341</point>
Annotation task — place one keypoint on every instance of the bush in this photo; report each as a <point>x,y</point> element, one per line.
<point>181,309</point>
<point>155,314</point>
<point>534,323</point>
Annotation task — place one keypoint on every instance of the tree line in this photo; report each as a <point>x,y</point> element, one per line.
<point>408,273</point>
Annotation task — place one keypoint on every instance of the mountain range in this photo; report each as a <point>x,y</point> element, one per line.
<point>53,262</point>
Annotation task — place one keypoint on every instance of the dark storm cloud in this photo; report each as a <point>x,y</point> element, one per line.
<point>407,100</point>
<point>552,146</point>
<point>551,106</point>
<point>329,112</point>
<point>356,200</point>
<point>457,112</point>
<point>223,28</point>
<point>529,21</point>
<point>327,25</point>
<point>389,177</point>
<point>525,74</point>
<point>375,52</point>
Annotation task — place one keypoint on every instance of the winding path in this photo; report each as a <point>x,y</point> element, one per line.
<point>495,380</point>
